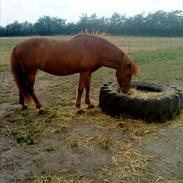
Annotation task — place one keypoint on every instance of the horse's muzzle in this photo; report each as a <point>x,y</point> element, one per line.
<point>124,90</point>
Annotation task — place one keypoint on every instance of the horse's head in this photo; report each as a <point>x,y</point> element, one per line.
<point>125,72</point>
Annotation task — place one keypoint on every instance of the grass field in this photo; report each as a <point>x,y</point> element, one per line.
<point>63,146</point>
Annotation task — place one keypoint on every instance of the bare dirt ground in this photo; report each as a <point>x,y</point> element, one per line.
<point>63,146</point>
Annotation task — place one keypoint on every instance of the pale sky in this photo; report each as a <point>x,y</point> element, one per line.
<point>31,10</point>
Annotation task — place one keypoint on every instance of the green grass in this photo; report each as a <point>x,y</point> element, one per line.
<point>7,44</point>
<point>175,55</point>
<point>106,143</point>
<point>27,133</point>
<point>160,66</point>
<point>62,129</point>
<point>73,145</point>
<point>4,67</point>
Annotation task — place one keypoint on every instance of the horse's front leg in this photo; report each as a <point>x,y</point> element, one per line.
<point>82,81</point>
<point>87,97</point>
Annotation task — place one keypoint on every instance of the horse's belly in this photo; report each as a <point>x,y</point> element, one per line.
<point>58,71</point>
<point>66,67</point>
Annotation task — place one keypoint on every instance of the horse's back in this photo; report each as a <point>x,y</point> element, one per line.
<point>33,45</point>
<point>35,51</point>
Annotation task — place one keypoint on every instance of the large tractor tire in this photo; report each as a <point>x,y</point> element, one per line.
<point>160,108</point>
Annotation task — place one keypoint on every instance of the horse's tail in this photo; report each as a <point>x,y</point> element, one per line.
<point>20,78</point>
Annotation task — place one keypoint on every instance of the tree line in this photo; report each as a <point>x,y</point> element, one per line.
<point>160,23</point>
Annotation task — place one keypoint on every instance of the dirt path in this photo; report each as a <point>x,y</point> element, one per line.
<point>167,150</point>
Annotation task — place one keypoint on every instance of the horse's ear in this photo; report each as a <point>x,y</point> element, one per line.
<point>133,68</point>
<point>136,69</point>
<point>129,65</point>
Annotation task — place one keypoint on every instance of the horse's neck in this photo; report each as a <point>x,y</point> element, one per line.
<point>112,60</point>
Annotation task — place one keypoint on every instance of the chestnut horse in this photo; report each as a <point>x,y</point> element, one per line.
<point>82,54</point>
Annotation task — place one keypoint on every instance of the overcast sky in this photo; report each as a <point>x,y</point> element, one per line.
<point>31,10</point>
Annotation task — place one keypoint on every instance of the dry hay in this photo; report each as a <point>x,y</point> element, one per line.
<point>133,92</point>
<point>126,166</point>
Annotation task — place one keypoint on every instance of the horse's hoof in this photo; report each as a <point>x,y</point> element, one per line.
<point>24,107</point>
<point>91,106</point>
<point>80,111</point>
<point>41,110</point>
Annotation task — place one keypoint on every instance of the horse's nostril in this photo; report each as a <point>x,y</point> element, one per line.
<point>125,91</point>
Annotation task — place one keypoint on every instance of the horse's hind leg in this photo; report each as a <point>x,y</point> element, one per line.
<point>87,97</point>
<point>21,101</point>
<point>31,79</point>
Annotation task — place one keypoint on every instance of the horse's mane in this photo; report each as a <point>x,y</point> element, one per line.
<point>92,36</point>
<point>97,36</point>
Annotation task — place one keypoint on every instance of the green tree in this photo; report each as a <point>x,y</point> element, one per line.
<point>115,23</point>
<point>49,26</point>
<point>13,29</point>
<point>2,31</point>
<point>91,23</point>
<point>27,29</point>
<point>160,23</point>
